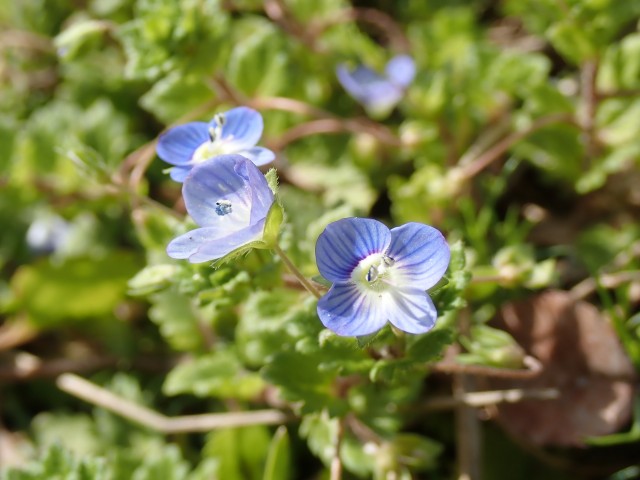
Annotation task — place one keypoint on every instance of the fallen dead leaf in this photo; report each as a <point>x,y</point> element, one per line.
<point>581,357</point>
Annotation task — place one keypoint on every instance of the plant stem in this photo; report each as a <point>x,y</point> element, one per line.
<point>298,274</point>
<point>336,463</point>
<point>96,395</point>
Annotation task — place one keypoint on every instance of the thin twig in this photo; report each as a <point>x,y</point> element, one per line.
<point>483,161</point>
<point>16,332</point>
<point>288,105</point>
<point>335,125</point>
<point>336,462</point>
<point>617,94</point>
<point>607,280</point>
<point>377,18</point>
<point>534,367</point>
<point>277,12</point>
<point>92,393</point>
<point>588,76</point>
<point>488,398</point>
<point>468,439</point>
<point>24,366</point>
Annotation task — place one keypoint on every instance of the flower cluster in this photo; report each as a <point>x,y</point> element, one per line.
<point>378,275</point>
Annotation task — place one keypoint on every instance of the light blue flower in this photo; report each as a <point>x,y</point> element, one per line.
<point>235,131</point>
<point>379,275</point>
<point>379,94</point>
<point>229,198</point>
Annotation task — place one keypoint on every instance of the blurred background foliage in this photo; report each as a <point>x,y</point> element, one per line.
<point>519,138</point>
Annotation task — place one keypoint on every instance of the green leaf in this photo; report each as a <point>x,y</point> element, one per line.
<point>572,41</point>
<point>168,465</point>
<point>241,452</point>
<point>278,466</point>
<point>152,278</point>
<point>71,41</point>
<point>218,374</point>
<point>90,287</point>
<point>175,95</point>
<point>430,346</point>
<point>308,374</point>
<point>272,321</point>
<point>259,47</point>
<point>176,318</point>
<point>416,451</point>
<point>58,464</point>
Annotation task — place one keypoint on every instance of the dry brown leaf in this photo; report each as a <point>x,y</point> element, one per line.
<point>581,357</point>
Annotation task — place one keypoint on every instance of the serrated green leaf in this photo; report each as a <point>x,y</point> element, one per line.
<point>218,374</point>
<point>300,380</point>
<point>430,346</point>
<point>176,318</point>
<point>272,321</point>
<point>175,95</point>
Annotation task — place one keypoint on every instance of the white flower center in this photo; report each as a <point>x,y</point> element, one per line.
<point>374,272</point>
<point>216,145</point>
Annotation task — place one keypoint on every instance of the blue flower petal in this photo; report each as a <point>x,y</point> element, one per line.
<point>377,94</point>
<point>348,311</point>
<point>177,145</point>
<point>179,173</point>
<point>421,255</point>
<point>410,309</point>
<point>242,128</point>
<point>261,194</point>
<point>363,84</point>
<point>259,155</point>
<point>218,179</point>
<point>401,70</point>
<point>210,243</point>
<point>344,243</point>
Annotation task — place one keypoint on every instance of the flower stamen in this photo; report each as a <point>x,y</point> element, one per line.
<point>223,207</point>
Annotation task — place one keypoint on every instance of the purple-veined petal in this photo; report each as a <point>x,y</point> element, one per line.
<point>214,180</point>
<point>410,309</point>
<point>210,243</point>
<point>241,130</point>
<point>401,70</point>
<point>349,311</point>
<point>259,155</point>
<point>344,243</point>
<point>179,173</point>
<point>176,145</point>
<point>421,255</point>
<point>261,194</point>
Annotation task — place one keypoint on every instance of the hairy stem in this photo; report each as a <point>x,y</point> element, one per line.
<point>296,272</point>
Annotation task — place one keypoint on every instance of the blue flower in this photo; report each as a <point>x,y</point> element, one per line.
<point>229,198</point>
<point>379,94</point>
<point>379,275</point>
<point>235,131</point>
